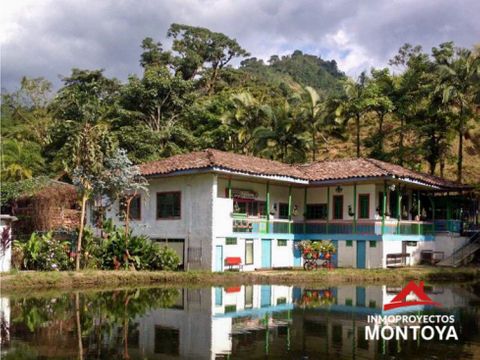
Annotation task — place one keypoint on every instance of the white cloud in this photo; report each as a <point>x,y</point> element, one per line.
<point>49,37</point>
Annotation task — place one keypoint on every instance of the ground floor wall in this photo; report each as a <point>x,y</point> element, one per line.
<point>368,254</point>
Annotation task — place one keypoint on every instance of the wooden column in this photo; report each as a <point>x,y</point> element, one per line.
<point>229,188</point>
<point>419,213</point>
<point>399,209</point>
<point>305,211</point>
<point>328,207</point>
<point>267,206</point>
<point>384,202</point>
<point>354,208</point>
<point>290,209</point>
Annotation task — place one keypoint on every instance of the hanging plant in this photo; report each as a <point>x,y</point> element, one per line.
<point>5,240</point>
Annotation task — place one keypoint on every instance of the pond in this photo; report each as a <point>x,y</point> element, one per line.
<point>235,322</point>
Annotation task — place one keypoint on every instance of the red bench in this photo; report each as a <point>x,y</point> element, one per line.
<point>233,261</point>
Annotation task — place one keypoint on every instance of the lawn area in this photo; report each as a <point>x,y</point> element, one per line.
<point>90,279</point>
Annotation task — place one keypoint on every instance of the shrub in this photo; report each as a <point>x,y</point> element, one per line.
<point>44,252</point>
<point>163,258</point>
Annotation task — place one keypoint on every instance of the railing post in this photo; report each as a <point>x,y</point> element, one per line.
<point>384,202</point>
<point>355,208</point>
<point>328,208</point>
<point>290,209</point>
<point>267,205</point>
<point>305,211</point>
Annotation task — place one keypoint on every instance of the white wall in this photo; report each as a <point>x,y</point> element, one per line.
<point>6,255</point>
<point>195,224</point>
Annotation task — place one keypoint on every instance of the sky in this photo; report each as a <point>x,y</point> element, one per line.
<point>50,37</point>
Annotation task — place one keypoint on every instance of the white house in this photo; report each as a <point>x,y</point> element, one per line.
<point>212,205</point>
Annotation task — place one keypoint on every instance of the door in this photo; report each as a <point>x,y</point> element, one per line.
<point>219,258</point>
<point>297,255</point>
<point>361,253</point>
<point>265,295</point>
<point>266,253</point>
<point>361,296</point>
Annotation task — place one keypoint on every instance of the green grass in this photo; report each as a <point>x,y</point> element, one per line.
<point>95,279</point>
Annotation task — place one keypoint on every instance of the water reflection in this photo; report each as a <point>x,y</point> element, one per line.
<point>248,321</point>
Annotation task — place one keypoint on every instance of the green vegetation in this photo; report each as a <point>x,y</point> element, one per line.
<point>294,108</point>
<point>19,281</point>
<point>116,249</point>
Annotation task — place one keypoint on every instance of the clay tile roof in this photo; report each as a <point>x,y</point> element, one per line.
<point>318,171</point>
<point>362,168</point>
<point>220,159</point>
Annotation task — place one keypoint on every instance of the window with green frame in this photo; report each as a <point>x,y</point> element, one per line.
<point>230,308</point>
<point>231,241</point>
<point>316,211</point>
<point>281,242</point>
<point>338,207</point>
<point>349,243</point>
<point>248,252</point>
<point>283,211</point>
<point>363,206</point>
<point>372,244</point>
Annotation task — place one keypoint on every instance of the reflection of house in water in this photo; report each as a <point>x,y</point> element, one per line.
<point>254,320</point>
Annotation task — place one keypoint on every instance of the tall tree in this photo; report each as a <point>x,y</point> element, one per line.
<point>459,71</point>
<point>88,148</point>
<point>353,105</point>
<point>199,48</point>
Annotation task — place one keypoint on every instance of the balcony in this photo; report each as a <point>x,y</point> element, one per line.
<point>361,227</point>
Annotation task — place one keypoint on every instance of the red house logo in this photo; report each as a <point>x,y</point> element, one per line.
<point>400,300</point>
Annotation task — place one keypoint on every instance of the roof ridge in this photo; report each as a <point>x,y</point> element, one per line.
<point>376,164</point>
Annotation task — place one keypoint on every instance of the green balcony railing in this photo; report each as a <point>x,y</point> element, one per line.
<point>363,227</point>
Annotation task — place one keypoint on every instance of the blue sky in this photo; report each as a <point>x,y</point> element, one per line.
<point>49,37</point>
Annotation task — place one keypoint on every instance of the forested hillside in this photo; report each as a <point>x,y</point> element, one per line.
<point>294,108</point>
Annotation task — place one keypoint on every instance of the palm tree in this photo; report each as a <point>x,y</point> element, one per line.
<point>459,75</point>
<point>283,138</point>
<point>246,114</point>
<point>314,114</point>
<point>20,160</point>
<point>353,105</point>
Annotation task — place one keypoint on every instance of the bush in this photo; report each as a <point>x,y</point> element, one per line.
<point>44,252</point>
<point>163,258</point>
<point>135,252</point>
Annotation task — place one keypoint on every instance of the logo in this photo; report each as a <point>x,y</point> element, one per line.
<point>400,300</point>
<point>414,326</point>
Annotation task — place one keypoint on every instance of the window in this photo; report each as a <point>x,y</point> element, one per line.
<point>283,211</point>
<point>282,300</point>
<point>230,241</point>
<point>249,207</point>
<point>349,243</point>
<point>135,208</point>
<point>230,308</point>
<point>372,304</point>
<point>373,244</point>
<point>281,242</point>
<point>168,205</point>
<point>248,296</point>
<point>316,211</point>
<point>363,206</point>
<point>248,252</point>
<point>167,340</point>
<point>348,302</point>
<point>338,207</point>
